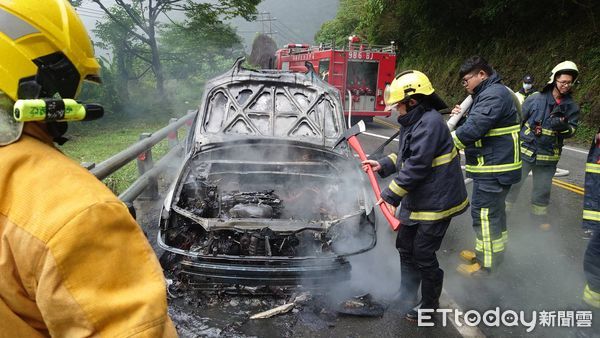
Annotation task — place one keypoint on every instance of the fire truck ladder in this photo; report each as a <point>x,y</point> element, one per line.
<point>338,73</point>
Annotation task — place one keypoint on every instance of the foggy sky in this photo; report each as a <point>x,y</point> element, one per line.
<point>294,21</point>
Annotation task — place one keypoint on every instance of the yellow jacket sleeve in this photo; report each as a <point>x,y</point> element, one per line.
<point>73,262</point>
<point>101,262</point>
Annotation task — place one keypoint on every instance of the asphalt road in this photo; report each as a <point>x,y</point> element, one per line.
<point>542,271</point>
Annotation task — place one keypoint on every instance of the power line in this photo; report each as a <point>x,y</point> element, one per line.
<point>290,30</point>
<point>84,12</point>
<point>285,36</point>
<point>97,11</point>
<point>90,16</point>
<point>296,35</point>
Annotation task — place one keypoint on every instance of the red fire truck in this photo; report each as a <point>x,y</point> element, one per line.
<point>359,72</point>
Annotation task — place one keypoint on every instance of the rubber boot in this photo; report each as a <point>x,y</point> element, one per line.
<point>431,290</point>
<point>474,270</point>
<point>468,256</point>
<point>409,287</point>
<point>539,214</point>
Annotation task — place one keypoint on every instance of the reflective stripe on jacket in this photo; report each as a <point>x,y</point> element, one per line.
<point>521,95</point>
<point>591,199</point>
<point>490,134</point>
<point>73,262</point>
<point>429,180</point>
<point>540,109</point>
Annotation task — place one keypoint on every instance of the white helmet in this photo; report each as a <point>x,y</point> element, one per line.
<point>565,67</point>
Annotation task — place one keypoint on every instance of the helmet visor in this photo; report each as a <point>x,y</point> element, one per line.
<point>10,129</point>
<point>392,107</point>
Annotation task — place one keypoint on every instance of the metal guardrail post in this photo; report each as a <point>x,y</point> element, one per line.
<point>172,137</point>
<point>134,190</point>
<point>88,165</point>
<point>144,164</point>
<point>105,168</point>
<point>189,122</point>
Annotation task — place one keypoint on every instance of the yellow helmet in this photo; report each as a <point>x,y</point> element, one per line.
<point>45,49</point>
<point>405,85</point>
<point>565,67</point>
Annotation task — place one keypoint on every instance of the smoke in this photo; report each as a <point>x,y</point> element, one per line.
<point>376,271</point>
<point>542,267</point>
<point>314,186</point>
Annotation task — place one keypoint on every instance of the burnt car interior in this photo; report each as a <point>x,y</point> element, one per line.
<point>262,187</point>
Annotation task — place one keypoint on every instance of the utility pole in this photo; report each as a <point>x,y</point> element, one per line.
<point>266,17</point>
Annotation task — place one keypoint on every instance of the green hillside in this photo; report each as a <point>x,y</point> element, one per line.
<point>516,37</point>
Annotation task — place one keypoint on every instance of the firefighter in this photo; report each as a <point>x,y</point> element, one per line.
<point>73,262</point>
<point>549,117</point>
<point>591,221</point>
<point>526,89</point>
<point>429,182</point>
<point>489,136</point>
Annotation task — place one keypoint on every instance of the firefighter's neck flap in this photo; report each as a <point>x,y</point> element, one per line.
<point>10,129</point>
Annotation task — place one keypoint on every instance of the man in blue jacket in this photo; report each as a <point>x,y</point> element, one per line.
<point>428,181</point>
<point>548,118</point>
<point>490,139</point>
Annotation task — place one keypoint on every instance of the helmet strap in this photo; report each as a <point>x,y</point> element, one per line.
<point>29,88</point>
<point>57,130</point>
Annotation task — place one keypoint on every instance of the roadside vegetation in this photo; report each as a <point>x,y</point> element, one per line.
<point>515,36</point>
<point>94,142</point>
<point>156,69</point>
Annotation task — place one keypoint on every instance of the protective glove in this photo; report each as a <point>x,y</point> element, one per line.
<point>558,123</point>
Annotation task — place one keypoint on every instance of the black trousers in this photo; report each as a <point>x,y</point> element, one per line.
<point>591,267</point>
<point>489,221</point>
<point>417,245</point>
<point>542,185</point>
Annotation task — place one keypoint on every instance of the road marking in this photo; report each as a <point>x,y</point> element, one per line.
<point>575,150</point>
<point>393,126</point>
<point>466,331</point>
<point>562,184</point>
<point>378,136</point>
<point>568,186</point>
<point>386,123</point>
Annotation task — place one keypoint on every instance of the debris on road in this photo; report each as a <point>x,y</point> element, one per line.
<point>275,311</point>
<point>298,300</point>
<point>363,306</point>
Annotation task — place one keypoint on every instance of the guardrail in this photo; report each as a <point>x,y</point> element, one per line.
<point>142,150</point>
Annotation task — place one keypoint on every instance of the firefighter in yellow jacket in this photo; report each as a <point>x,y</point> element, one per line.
<point>73,262</point>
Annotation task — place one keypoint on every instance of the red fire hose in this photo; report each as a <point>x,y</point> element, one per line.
<point>394,222</point>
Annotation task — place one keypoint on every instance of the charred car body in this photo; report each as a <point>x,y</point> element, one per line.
<point>262,197</point>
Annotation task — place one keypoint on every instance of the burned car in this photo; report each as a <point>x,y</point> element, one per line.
<point>263,197</point>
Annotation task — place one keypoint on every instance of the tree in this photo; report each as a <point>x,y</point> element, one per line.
<point>140,20</point>
<point>195,50</point>
<point>124,51</point>
<point>346,23</point>
<point>516,36</point>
